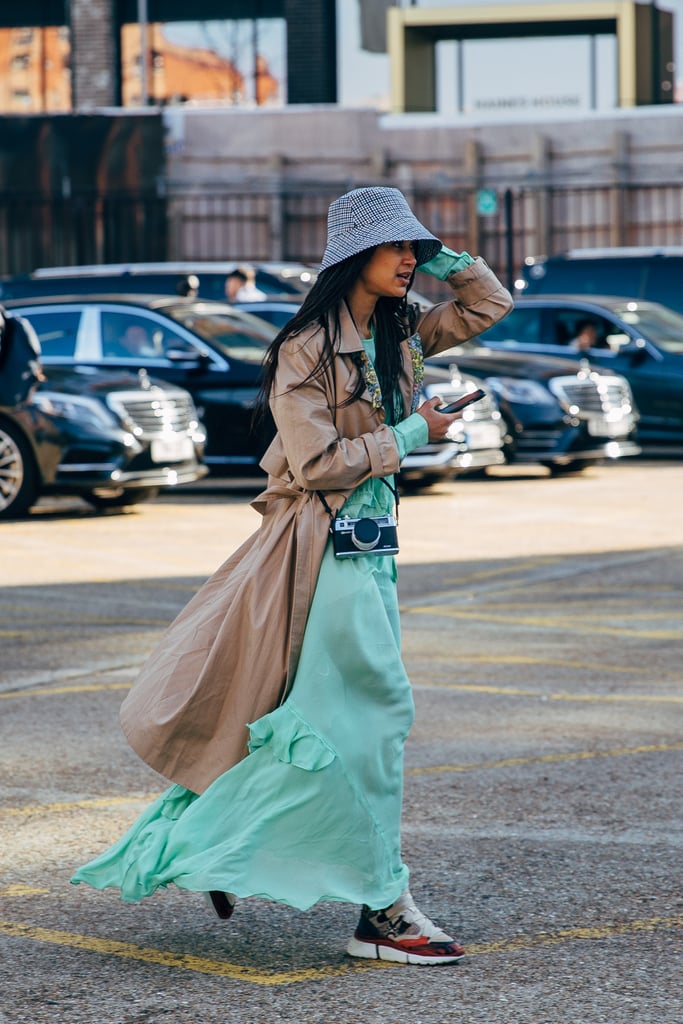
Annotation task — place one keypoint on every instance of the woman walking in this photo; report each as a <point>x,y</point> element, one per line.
<point>277,702</point>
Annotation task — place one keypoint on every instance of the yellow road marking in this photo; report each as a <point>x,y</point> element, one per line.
<point>505,610</point>
<point>579,755</point>
<point>51,691</point>
<point>225,969</point>
<point>94,804</point>
<point>589,698</point>
<point>60,621</point>
<point>546,622</point>
<point>181,961</point>
<point>597,933</point>
<point>503,572</point>
<point>503,691</point>
<point>23,890</point>
<point>499,572</point>
<point>151,584</point>
<point>631,609</point>
<point>522,659</point>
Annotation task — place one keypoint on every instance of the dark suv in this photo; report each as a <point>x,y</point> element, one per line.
<point>641,341</point>
<point>641,272</point>
<point>201,278</point>
<point>113,439</point>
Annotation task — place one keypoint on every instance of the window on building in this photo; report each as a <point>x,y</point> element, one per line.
<point>34,69</point>
<point>237,63</point>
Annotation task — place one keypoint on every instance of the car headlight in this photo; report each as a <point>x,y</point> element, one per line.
<point>86,411</point>
<point>514,390</point>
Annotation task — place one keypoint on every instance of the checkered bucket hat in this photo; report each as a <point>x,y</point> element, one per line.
<point>366,217</point>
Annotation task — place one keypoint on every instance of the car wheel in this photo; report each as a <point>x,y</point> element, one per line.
<point>131,496</point>
<point>564,469</point>
<point>18,475</point>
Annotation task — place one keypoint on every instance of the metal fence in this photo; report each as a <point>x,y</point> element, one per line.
<point>81,228</point>
<point>290,223</point>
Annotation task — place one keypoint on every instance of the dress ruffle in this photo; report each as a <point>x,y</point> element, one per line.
<point>291,739</point>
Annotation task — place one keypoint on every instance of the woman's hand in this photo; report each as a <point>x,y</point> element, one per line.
<point>438,422</point>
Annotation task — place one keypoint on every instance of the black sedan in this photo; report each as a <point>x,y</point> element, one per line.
<point>557,414</point>
<point>208,348</point>
<point>641,341</point>
<point>113,439</point>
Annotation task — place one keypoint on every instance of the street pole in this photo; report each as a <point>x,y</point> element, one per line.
<point>509,240</point>
<point>142,21</point>
<point>254,50</point>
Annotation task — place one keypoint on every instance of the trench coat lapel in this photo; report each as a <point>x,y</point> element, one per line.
<point>351,343</point>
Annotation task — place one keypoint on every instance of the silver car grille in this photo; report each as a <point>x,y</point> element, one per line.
<point>588,393</point>
<point>448,392</point>
<point>154,412</point>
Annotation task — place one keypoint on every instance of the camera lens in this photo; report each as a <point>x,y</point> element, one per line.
<point>366,534</point>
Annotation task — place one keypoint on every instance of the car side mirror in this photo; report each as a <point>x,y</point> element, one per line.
<point>638,351</point>
<point>193,359</point>
<point>624,345</point>
<point>619,342</point>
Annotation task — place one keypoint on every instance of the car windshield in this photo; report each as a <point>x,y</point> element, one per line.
<point>660,325</point>
<point>234,337</point>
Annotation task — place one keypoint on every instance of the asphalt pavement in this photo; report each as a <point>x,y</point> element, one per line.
<point>542,631</point>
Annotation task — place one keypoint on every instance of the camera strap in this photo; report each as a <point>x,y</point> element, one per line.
<point>333,515</point>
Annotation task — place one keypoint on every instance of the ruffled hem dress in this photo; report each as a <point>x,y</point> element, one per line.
<point>313,812</point>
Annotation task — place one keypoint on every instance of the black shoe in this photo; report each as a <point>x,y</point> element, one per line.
<point>222,902</point>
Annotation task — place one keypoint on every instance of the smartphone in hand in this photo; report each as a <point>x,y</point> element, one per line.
<point>462,403</point>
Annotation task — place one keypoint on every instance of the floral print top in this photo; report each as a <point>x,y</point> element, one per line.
<point>372,381</point>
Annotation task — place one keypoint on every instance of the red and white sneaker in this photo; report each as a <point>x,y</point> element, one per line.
<point>403,935</point>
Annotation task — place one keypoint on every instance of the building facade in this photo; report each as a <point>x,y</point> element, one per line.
<point>96,54</point>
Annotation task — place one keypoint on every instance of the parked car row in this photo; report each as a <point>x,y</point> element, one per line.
<point>209,349</point>
<point>552,412</point>
<point>204,280</point>
<point>562,412</point>
<point>114,439</point>
<point>215,352</point>
<point>558,415</point>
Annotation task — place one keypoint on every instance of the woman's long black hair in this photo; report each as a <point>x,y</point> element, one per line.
<point>394,321</point>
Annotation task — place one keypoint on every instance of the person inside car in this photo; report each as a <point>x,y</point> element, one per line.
<point>134,341</point>
<point>188,286</point>
<point>240,286</point>
<point>586,335</point>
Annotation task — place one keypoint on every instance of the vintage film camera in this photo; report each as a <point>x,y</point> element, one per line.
<point>376,535</point>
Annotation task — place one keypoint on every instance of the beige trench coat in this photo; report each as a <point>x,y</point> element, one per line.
<point>231,654</point>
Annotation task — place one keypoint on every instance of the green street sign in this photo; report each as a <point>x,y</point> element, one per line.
<point>487,202</point>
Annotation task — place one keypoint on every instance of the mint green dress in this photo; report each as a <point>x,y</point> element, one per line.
<point>313,812</point>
